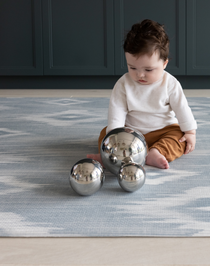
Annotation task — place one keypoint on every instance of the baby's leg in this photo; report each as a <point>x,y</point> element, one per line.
<point>164,146</point>
<point>96,157</point>
<point>155,158</point>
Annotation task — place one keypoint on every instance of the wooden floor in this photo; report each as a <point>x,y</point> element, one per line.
<point>102,251</point>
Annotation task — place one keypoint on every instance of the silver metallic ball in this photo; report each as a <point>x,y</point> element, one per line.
<point>131,177</point>
<point>86,177</point>
<point>123,145</point>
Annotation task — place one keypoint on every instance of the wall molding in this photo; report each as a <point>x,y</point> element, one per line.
<point>36,66</point>
<point>120,19</point>
<point>193,20</point>
<point>107,68</point>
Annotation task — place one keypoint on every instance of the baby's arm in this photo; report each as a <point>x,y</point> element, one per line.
<point>190,138</point>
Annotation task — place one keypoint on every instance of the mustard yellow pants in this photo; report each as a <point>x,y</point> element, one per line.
<point>165,140</point>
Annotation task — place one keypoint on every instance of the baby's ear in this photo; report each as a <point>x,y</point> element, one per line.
<point>165,64</point>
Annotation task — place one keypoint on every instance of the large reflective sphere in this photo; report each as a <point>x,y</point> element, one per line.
<point>123,145</point>
<point>86,177</point>
<point>131,177</point>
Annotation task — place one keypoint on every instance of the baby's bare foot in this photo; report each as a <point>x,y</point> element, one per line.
<point>96,157</point>
<point>155,158</point>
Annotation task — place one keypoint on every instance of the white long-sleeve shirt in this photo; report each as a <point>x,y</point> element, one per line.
<point>147,108</point>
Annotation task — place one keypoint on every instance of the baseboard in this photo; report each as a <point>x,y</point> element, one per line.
<point>86,82</point>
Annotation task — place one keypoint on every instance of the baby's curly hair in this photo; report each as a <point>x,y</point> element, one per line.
<point>146,38</point>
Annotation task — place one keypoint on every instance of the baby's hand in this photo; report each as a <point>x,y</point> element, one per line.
<point>190,138</point>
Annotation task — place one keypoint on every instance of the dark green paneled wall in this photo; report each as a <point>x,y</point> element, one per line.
<point>78,37</point>
<point>78,43</point>
<point>198,37</point>
<point>21,37</point>
<point>171,13</point>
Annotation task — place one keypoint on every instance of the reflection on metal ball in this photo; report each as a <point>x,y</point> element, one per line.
<point>86,177</point>
<point>131,177</point>
<point>123,145</point>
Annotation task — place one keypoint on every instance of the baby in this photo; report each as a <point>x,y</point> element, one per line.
<point>150,100</point>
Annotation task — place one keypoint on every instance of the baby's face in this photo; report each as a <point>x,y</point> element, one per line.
<point>145,69</point>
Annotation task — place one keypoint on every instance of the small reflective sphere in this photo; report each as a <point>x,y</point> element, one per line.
<point>123,145</point>
<point>131,177</point>
<point>86,177</point>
